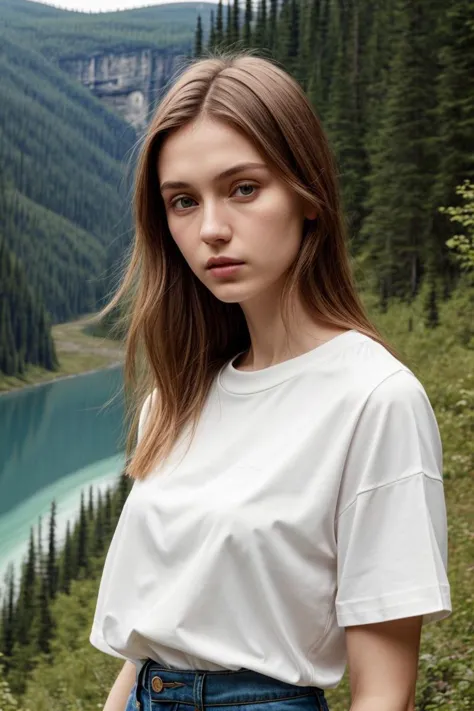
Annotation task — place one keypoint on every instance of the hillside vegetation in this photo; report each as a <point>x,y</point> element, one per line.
<point>61,34</point>
<point>66,164</point>
<point>55,668</point>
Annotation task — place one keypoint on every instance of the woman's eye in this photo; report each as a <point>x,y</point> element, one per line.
<point>245,186</point>
<point>186,202</point>
<point>175,202</point>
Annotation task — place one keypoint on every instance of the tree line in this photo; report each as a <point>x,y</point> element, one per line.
<point>27,626</point>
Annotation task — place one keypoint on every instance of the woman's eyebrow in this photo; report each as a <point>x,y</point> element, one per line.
<point>173,184</point>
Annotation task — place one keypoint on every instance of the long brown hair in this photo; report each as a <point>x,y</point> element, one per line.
<point>177,333</point>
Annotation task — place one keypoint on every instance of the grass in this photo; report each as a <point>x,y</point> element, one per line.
<point>78,352</point>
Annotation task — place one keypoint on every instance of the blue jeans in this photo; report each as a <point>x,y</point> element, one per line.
<point>161,688</point>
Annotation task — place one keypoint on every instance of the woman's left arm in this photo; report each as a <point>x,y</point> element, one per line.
<point>383,664</point>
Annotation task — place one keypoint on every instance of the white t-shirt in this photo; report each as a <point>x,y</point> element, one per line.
<point>310,499</point>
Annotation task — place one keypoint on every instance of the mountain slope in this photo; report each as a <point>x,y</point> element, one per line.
<point>63,158</point>
<point>61,34</point>
<point>66,160</point>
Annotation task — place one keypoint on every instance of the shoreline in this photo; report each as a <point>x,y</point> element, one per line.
<point>28,386</point>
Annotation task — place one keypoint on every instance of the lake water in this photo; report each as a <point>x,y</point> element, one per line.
<point>55,441</point>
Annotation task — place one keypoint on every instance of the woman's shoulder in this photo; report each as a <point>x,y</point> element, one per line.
<point>372,365</point>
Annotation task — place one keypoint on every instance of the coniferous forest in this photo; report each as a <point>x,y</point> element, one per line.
<point>393,83</point>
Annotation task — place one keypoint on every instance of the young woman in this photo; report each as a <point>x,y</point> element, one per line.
<point>287,514</point>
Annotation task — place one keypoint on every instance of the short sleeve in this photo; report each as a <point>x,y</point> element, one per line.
<point>391,523</point>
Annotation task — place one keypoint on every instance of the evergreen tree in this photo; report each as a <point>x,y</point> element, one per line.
<point>123,490</point>
<point>82,538</point>
<point>229,33</point>
<point>345,117</point>
<point>272,25</point>
<point>219,33</point>
<point>260,34</point>
<point>8,617</point>
<point>45,620</point>
<point>107,517</point>
<point>212,34</point>
<point>247,31</point>
<point>293,36</point>
<point>198,38</point>
<point>51,568</point>
<point>318,72</point>
<point>400,184</point>
<point>68,563</point>
<point>236,21</point>
<point>90,508</point>
<point>99,533</point>
<point>431,308</point>
<point>27,596</point>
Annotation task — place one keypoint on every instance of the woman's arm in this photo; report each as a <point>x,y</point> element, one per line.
<point>383,664</point>
<point>119,693</point>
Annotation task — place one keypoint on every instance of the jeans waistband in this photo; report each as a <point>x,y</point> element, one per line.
<point>200,688</point>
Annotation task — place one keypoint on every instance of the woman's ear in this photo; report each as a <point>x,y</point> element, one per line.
<point>310,211</point>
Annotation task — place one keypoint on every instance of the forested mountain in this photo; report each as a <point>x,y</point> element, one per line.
<point>65,164</point>
<point>59,34</point>
<point>392,81</point>
<point>61,156</point>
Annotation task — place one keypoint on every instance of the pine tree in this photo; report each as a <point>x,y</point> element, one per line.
<point>260,34</point>
<point>272,25</point>
<point>107,517</point>
<point>90,508</point>
<point>123,490</point>
<point>399,184</point>
<point>45,620</point>
<point>431,308</point>
<point>51,568</point>
<point>99,533</point>
<point>219,34</point>
<point>27,596</point>
<point>247,32</point>
<point>236,21</point>
<point>212,34</point>
<point>345,115</point>
<point>68,563</point>
<point>229,32</point>
<point>198,38</point>
<point>8,616</point>
<point>82,538</point>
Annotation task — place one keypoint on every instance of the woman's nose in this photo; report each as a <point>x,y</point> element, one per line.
<point>214,224</point>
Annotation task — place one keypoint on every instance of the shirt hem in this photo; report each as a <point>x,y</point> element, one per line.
<point>97,641</point>
<point>433,603</point>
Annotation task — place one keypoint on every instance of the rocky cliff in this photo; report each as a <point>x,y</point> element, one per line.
<point>129,83</point>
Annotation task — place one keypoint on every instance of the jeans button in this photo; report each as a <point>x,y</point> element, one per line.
<point>157,683</point>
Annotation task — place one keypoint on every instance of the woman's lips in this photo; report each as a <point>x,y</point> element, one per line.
<point>222,270</point>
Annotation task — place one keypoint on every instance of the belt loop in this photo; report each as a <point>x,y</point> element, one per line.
<point>139,682</point>
<point>197,691</point>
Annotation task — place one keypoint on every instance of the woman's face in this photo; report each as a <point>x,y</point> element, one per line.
<point>222,200</point>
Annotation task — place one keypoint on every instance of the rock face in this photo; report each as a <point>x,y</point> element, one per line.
<point>130,82</point>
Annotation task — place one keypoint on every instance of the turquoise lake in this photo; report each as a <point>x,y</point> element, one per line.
<point>56,440</point>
